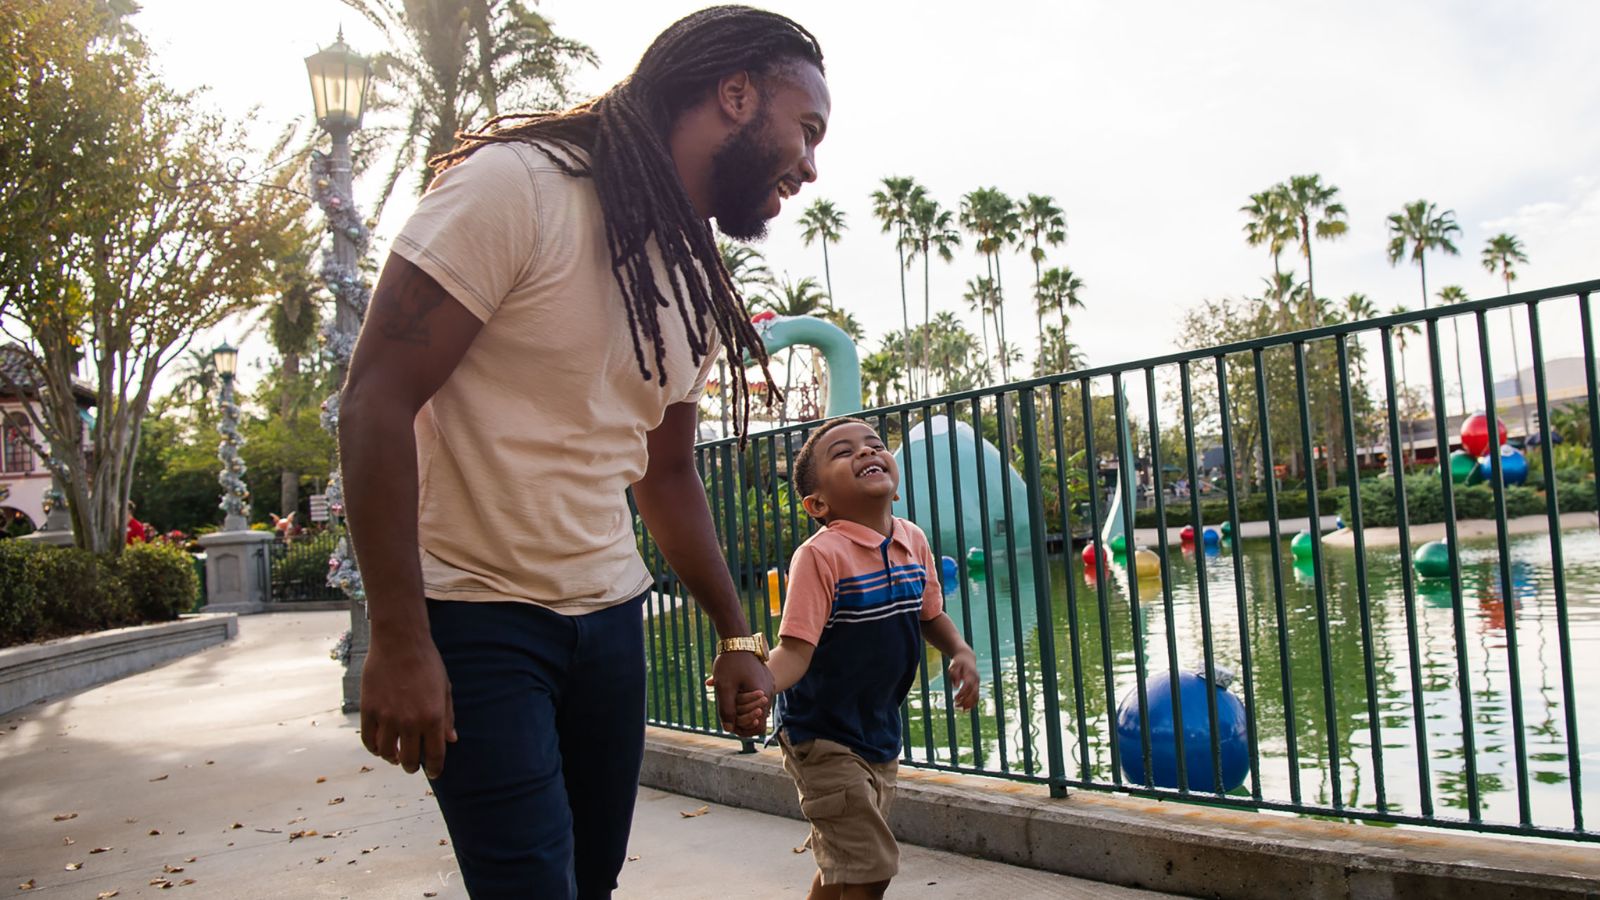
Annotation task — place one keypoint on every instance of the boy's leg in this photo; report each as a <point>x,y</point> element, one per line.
<point>845,798</point>
<point>601,722</point>
<point>501,792</point>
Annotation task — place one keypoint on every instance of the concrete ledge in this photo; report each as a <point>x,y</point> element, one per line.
<point>1174,847</point>
<point>1465,529</point>
<point>36,672</point>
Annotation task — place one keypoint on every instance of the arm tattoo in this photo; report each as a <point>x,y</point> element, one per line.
<point>405,320</point>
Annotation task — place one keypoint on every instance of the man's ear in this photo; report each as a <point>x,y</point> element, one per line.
<point>815,506</point>
<point>737,97</point>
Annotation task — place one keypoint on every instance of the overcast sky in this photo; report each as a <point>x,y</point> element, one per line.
<point>1150,123</point>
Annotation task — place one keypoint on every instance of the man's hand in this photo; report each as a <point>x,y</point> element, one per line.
<point>734,675</point>
<point>963,673</point>
<point>406,714</point>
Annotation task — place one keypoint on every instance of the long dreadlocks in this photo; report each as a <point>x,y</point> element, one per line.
<point>624,135</point>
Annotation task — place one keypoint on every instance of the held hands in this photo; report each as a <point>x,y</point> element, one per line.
<point>963,674</point>
<point>744,690</point>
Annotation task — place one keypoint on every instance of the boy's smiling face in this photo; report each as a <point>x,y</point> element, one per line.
<point>856,476</point>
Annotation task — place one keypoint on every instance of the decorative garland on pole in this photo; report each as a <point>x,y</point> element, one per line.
<point>235,494</point>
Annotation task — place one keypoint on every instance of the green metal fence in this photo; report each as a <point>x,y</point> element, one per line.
<point>1368,691</point>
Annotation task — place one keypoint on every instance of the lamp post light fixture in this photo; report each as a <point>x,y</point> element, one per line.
<point>339,81</point>
<point>235,494</point>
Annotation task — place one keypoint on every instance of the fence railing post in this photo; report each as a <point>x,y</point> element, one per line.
<point>1054,754</point>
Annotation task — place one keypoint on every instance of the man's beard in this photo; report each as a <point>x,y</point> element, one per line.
<point>743,173</point>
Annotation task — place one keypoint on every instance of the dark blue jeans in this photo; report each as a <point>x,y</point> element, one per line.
<point>538,790</point>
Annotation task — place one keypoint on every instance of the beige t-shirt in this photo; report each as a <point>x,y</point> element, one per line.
<point>524,454</point>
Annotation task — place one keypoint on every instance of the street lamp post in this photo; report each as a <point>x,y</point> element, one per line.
<point>339,80</point>
<point>238,577</point>
<point>235,494</point>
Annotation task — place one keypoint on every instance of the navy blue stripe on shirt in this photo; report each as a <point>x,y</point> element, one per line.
<point>882,612</point>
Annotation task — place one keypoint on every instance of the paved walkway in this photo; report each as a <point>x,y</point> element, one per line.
<point>232,773</point>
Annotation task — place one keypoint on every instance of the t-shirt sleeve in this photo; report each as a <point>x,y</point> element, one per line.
<point>810,599</point>
<point>932,591</point>
<point>476,229</point>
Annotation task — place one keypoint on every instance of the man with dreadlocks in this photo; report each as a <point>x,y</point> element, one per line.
<point>536,345</point>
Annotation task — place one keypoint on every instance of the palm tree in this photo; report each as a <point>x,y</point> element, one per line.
<point>1400,334</point>
<point>747,268</point>
<point>1270,223</point>
<point>1418,228</point>
<point>981,298</point>
<point>930,230</point>
<point>1358,307</point>
<point>1057,353</point>
<point>197,379</point>
<point>824,222</point>
<point>892,205</point>
<point>1450,295</point>
<point>954,346</point>
<point>1305,198</point>
<point>1501,253</point>
<point>1057,290</point>
<point>845,320</point>
<point>879,371</point>
<point>453,64</point>
<point>993,220</point>
<point>1042,221</point>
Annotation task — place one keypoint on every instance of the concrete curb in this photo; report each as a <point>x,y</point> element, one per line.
<point>1174,847</point>
<point>36,672</point>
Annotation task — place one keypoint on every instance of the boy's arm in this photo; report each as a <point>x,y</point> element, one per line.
<point>963,669</point>
<point>789,662</point>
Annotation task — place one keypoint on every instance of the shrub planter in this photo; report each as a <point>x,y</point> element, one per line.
<point>34,672</point>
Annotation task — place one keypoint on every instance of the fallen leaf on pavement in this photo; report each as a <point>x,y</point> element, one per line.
<point>322,859</point>
<point>161,883</point>
<point>73,867</point>
<point>333,834</point>
<point>336,801</point>
<point>99,849</point>
<point>269,831</point>
<point>238,825</point>
<point>369,849</point>
<point>351,863</point>
<point>694,812</point>
<point>26,885</point>
<point>186,882</point>
<point>800,849</point>
<point>443,842</point>
<point>633,859</point>
<point>321,778</point>
<point>365,769</point>
<point>62,817</point>
<point>106,895</point>
<point>190,858</point>
<point>154,832</point>
<point>172,870</point>
<point>309,832</point>
<point>159,778</point>
<point>430,893</point>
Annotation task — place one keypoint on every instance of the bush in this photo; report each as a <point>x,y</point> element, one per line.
<point>159,581</point>
<point>52,591</point>
<point>1425,500</point>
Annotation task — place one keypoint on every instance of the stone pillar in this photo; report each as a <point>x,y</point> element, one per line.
<point>57,528</point>
<point>238,571</point>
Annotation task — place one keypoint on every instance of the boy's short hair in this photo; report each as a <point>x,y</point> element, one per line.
<point>804,476</point>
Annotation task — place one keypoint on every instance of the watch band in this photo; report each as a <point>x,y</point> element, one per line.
<point>755,643</point>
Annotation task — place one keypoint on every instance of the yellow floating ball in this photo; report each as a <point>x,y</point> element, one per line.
<point>1146,563</point>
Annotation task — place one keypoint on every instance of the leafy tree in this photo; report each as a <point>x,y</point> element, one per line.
<point>822,222</point>
<point>1312,206</point>
<point>880,376</point>
<point>992,218</point>
<point>930,230</point>
<point>1043,223</point>
<point>452,64</point>
<point>982,298</point>
<point>1501,253</point>
<point>1057,353</point>
<point>1418,228</point>
<point>121,236</point>
<point>746,267</point>
<point>891,206</point>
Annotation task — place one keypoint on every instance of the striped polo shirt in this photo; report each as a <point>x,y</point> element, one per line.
<point>860,598</point>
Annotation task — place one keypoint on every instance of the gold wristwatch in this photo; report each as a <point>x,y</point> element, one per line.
<point>755,643</point>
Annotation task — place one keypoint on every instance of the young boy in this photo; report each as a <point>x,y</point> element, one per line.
<point>863,593</point>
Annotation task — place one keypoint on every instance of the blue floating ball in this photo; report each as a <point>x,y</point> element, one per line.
<point>1212,537</point>
<point>948,575</point>
<point>1233,742</point>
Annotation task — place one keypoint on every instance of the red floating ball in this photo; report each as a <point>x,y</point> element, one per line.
<point>1475,434</point>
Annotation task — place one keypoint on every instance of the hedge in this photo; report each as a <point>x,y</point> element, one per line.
<point>1253,508</point>
<point>1575,492</point>
<point>48,592</point>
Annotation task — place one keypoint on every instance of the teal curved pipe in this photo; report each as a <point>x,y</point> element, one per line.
<point>838,351</point>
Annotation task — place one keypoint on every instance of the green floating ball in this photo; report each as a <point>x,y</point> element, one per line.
<point>975,559</point>
<point>1432,560</point>
<point>1119,544</point>
<point>1302,545</point>
<point>1462,465</point>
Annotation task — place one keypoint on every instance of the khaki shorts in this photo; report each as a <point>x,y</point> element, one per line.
<point>846,799</point>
